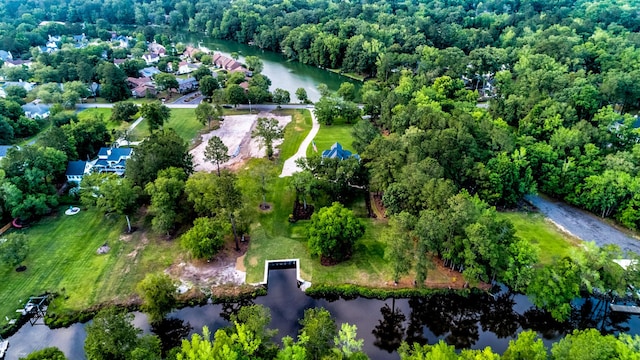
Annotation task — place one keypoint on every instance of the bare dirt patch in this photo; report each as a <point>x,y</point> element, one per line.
<point>217,271</point>
<point>235,133</point>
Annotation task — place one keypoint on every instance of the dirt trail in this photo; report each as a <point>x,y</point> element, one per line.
<point>582,224</point>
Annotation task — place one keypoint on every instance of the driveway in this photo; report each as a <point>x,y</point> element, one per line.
<point>582,224</point>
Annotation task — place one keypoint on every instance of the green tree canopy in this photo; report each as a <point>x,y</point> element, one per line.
<point>156,114</point>
<point>268,130</point>
<point>206,237</point>
<point>159,151</point>
<point>333,231</point>
<point>14,248</point>
<point>158,293</point>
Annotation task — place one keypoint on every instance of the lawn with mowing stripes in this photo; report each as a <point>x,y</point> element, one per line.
<point>63,259</point>
<point>538,230</point>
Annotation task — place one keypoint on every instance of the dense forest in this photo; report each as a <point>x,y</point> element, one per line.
<point>559,78</point>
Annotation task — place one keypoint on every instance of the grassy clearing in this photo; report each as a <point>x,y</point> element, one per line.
<point>183,121</point>
<point>553,243</point>
<point>328,135</point>
<point>294,132</point>
<point>63,259</point>
<point>105,113</point>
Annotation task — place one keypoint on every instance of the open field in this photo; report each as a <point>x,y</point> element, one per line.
<point>328,135</point>
<point>535,228</point>
<point>63,259</point>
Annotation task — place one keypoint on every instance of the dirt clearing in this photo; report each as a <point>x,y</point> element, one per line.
<point>235,133</point>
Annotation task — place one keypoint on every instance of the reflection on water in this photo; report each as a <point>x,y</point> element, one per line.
<point>287,75</point>
<point>474,321</point>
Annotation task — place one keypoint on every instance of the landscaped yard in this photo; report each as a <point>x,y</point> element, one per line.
<point>328,135</point>
<point>63,260</point>
<point>295,132</point>
<point>183,121</point>
<point>535,228</point>
<point>105,113</point>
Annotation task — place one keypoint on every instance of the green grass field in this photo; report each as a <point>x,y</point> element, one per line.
<point>294,132</point>
<point>328,135</point>
<point>106,115</point>
<point>183,121</point>
<point>553,243</point>
<point>63,259</point>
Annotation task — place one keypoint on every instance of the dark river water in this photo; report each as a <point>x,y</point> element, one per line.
<point>287,75</point>
<point>475,321</point>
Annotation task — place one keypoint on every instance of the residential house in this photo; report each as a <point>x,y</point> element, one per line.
<point>28,86</point>
<point>187,85</point>
<point>36,110</point>
<point>337,152</point>
<point>141,87</point>
<point>112,160</point>
<point>3,151</point>
<point>157,49</point>
<point>123,41</point>
<point>226,63</point>
<point>149,71</point>
<point>80,38</point>
<point>190,52</point>
<point>19,62</point>
<point>186,68</point>
<point>151,58</point>
<point>118,62</point>
<point>5,55</point>
<point>76,170</point>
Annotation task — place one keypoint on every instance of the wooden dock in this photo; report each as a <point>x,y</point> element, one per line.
<point>4,344</point>
<point>629,309</point>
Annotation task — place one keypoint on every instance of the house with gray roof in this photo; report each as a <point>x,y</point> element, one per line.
<point>28,86</point>
<point>338,152</point>
<point>36,110</point>
<point>112,160</point>
<point>5,55</point>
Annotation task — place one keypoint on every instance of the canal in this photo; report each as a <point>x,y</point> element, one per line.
<point>474,321</point>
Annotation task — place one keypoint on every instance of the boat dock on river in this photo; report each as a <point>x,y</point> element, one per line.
<point>629,309</point>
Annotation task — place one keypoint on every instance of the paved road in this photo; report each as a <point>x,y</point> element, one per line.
<point>290,165</point>
<point>254,108</point>
<point>583,225</point>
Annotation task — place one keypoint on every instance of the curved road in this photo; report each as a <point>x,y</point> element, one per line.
<point>582,224</point>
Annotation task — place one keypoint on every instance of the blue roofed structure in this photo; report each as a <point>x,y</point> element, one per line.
<point>338,152</point>
<point>76,170</point>
<point>3,150</point>
<point>112,160</point>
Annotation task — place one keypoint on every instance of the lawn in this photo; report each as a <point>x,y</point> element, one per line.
<point>534,227</point>
<point>63,260</point>
<point>105,113</point>
<point>183,121</point>
<point>294,132</point>
<point>328,135</point>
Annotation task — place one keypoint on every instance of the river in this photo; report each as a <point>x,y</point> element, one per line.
<point>284,74</point>
<point>476,321</point>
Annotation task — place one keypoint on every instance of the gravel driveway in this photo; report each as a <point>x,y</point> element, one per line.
<point>582,224</point>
